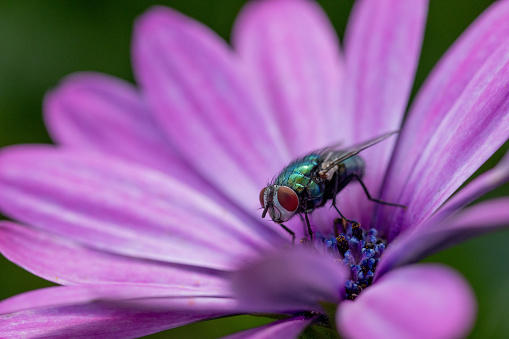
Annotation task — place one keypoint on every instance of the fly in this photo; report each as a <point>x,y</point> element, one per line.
<point>311,181</point>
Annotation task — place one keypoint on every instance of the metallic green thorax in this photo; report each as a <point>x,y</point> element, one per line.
<point>298,174</point>
<point>313,191</point>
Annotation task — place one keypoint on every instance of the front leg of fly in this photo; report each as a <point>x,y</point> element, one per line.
<point>290,232</point>
<point>309,225</point>
<point>303,210</point>
<point>305,221</point>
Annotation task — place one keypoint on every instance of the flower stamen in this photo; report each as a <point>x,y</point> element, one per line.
<point>358,249</point>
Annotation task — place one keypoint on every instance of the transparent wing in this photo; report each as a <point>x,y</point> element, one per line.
<point>336,157</point>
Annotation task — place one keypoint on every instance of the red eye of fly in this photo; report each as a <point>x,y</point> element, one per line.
<point>287,198</point>
<point>262,194</point>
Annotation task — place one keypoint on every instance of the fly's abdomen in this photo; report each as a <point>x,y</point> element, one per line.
<point>354,165</point>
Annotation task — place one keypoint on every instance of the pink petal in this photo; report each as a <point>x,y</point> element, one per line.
<point>421,301</point>
<point>67,262</point>
<point>436,235</point>
<point>382,46</point>
<point>382,43</point>
<point>122,208</point>
<point>93,321</point>
<point>461,144</point>
<point>98,112</point>
<point>296,280</point>
<point>282,329</point>
<point>155,297</point>
<point>295,65</point>
<point>104,311</point>
<point>193,82</point>
<point>478,187</point>
<point>457,120</point>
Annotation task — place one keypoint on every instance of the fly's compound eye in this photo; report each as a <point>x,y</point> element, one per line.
<point>287,198</point>
<point>262,197</point>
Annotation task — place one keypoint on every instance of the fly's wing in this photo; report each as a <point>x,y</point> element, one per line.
<point>336,157</point>
<point>327,152</point>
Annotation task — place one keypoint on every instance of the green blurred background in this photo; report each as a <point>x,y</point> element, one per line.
<point>42,41</point>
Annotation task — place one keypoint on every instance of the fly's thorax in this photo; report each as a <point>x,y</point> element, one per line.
<point>281,202</point>
<point>299,173</point>
<point>300,176</point>
<point>297,181</point>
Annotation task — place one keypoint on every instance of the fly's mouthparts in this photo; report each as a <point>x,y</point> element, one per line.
<point>265,211</point>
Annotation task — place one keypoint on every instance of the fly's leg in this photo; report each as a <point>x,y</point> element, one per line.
<point>337,210</point>
<point>304,226</point>
<point>373,199</point>
<point>334,200</point>
<point>308,225</point>
<point>305,221</point>
<point>290,232</point>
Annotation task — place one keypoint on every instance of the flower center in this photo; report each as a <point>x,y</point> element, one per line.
<point>358,249</point>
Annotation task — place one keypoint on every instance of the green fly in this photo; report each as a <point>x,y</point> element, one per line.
<point>311,181</point>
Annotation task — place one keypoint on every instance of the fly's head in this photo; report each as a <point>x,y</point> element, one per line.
<point>281,202</point>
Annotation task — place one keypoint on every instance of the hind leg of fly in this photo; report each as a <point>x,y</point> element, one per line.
<point>373,199</point>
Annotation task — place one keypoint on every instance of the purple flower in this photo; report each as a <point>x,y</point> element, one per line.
<point>147,210</point>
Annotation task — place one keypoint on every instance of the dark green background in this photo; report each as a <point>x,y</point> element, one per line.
<point>42,41</point>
